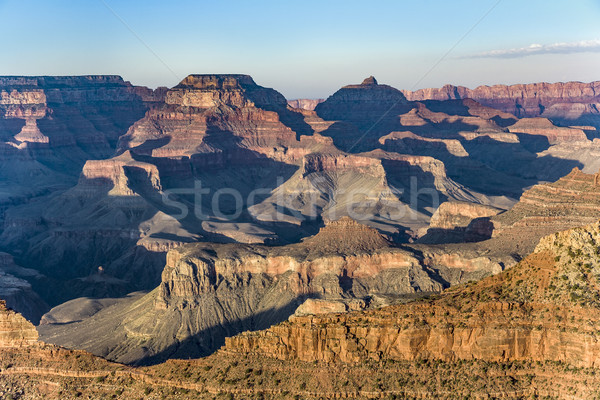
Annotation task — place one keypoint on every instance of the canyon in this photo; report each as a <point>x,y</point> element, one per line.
<point>211,291</point>
<point>143,225</point>
<point>527,331</point>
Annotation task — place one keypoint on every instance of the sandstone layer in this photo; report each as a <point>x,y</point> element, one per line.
<point>15,331</point>
<point>211,291</point>
<point>544,309</point>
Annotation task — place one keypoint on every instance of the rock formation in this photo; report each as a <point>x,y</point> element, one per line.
<point>15,331</point>
<point>17,292</point>
<point>90,161</point>
<point>544,309</point>
<point>545,208</point>
<point>216,129</point>
<point>573,103</point>
<point>305,104</point>
<point>544,127</point>
<point>210,291</point>
<point>452,215</point>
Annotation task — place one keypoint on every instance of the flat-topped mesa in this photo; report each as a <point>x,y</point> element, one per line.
<point>217,82</point>
<point>545,127</point>
<point>71,89</point>
<point>118,176</point>
<point>317,162</point>
<point>55,82</point>
<point>342,248</point>
<point>206,91</point>
<point>15,331</point>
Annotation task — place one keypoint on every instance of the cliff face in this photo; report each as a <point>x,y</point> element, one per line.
<point>15,331</point>
<point>17,292</point>
<point>211,291</point>
<point>88,113</point>
<point>305,104</point>
<point>226,132</point>
<point>361,106</point>
<point>218,119</point>
<point>571,102</point>
<point>544,127</point>
<point>546,208</point>
<point>50,126</point>
<point>452,215</point>
<point>544,309</point>
<point>96,222</point>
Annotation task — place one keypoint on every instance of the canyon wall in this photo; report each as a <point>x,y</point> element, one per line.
<point>544,309</point>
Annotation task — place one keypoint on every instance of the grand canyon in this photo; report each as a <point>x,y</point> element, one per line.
<point>217,240</point>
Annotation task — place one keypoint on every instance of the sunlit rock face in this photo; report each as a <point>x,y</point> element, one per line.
<point>571,103</point>
<point>15,331</point>
<point>527,313</point>
<point>210,291</point>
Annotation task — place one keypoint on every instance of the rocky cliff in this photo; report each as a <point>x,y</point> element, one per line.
<point>305,104</point>
<point>215,132</point>
<point>15,331</point>
<point>550,207</point>
<point>210,291</point>
<point>17,292</point>
<point>574,103</point>
<point>544,309</point>
<point>107,154</point>
<point>544,127</point>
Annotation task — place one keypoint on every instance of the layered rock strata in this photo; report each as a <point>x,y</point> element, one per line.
<point>210,291</point>
<point>544,309</point>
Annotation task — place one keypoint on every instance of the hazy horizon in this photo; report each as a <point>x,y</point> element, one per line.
<point>306,50</point>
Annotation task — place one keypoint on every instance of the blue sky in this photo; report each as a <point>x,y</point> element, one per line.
<point>305,48</point>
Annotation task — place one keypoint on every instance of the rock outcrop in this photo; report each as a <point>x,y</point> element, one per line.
<point>15,331</point>
<point>544,127</point>
<point>451,215</point>
<point>106,176</point>
<point>546,308</point>
<point>545,208</point>
<point>17,292</point>
<point>574,103</point>
<point>305,104</point>
<point>457,222</point>
<point>211,291</point>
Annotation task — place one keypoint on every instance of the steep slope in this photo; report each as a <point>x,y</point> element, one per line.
<point>223,159</point>
<point>17,292</point>
<point>49,127</point>
<point>116,217</point>
<point>33,370</point>
<point>546,308</point>
<point>546,208</point>
<point>386,190</point>
<point>482,148</point>
<point>211,291</point>
<point>15,331</point>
